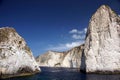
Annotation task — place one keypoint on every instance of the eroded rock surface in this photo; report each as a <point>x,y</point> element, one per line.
<point>70,59</point>
<point>15,56</point>
<point>50,59</point>
<point>102,44</point>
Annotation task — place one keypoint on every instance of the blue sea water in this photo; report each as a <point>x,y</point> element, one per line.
<point>65,74</point>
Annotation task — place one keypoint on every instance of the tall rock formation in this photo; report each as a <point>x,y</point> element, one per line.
<point>102,44</point>
<point>70,59</point>
<point>16,58</point>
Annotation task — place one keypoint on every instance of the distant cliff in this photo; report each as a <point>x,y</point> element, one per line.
<point>70,59</point>
<point>16,58</point>
<point>50,59</point>
<point>102,44</point>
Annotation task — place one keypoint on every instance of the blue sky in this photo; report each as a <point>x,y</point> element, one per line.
<point>51,24</point>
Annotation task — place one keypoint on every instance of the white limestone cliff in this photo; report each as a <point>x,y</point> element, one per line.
<point>70,59</point>
<point>16,58</point>
<point>73,57</point>
<point>102,44</point>
<point>50,59</point>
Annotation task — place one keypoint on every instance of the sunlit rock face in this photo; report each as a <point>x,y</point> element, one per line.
<point>73,57</point>
<point>70,59</point>
<point>102,44</point>
<point>15,56</point>
<point>50,59</point>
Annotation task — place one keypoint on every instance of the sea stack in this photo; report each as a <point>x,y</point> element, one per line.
<point>102,44</point>
<point>68,59</point>
<point>16,58</point>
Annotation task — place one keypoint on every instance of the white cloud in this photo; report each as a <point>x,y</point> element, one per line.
<point>85,30</point>
<point>66,46</point>
<point>59,47</point>
<point>74,31</point>
<point>80,32</point>
<point>73,44</point>
<point>76,36</point>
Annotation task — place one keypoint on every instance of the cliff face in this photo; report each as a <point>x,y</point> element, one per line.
<point>15,55</point>
<point>50,59</point>
<point>70,59</point>
<point>102,44</point>
<point>73,57</point>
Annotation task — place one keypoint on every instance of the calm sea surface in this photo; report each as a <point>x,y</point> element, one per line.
<point>65,74</point>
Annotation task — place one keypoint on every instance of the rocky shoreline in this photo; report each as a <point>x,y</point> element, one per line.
<point>18,75</point>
